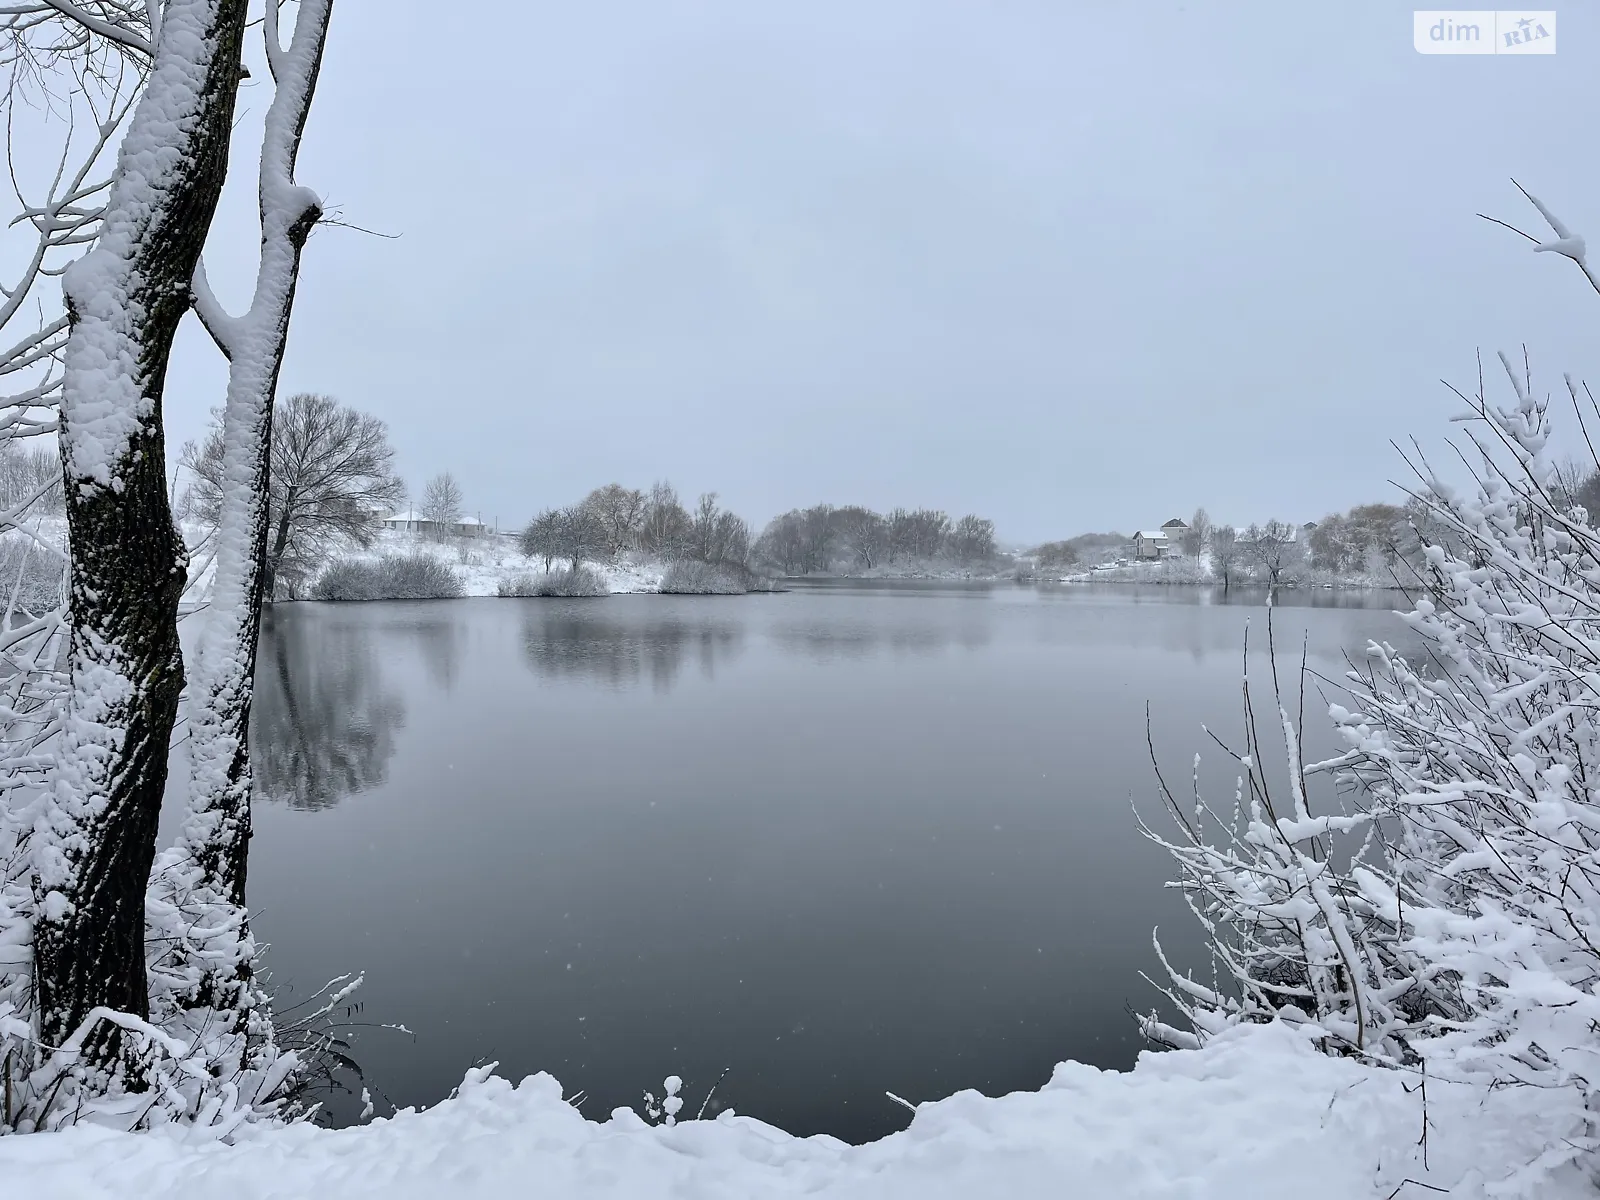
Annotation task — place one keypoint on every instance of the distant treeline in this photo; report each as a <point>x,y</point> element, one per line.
<point>1086,547</point>
<point>827,539</point>
<point>1371,543</point>
<point>614,519</point>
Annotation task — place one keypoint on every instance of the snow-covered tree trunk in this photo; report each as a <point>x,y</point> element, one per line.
<point>95,839</point>
<point>209,864</point>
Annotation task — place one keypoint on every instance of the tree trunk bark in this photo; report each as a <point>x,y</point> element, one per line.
<point>94,844</point>
<point>216,832</point>
<point>269,572</point>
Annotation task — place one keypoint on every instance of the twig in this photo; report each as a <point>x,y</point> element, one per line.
<point>709,1094</point>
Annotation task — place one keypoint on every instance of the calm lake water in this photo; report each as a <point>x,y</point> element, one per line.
<point>848,839</point>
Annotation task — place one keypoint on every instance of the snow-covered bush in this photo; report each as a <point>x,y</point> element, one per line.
<point>583,581</point>
<point>390,577</point>
<point>1293,935</point>
<point>1451,918</point>
<point>664,1111</point>
<point>691,577</point>
<point>523,584</point>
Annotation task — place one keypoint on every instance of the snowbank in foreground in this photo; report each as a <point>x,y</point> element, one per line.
<point>1255,1114</point>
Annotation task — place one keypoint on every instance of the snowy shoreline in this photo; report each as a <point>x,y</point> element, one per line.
<point>1249,585</point>
<point>1256,1114</point>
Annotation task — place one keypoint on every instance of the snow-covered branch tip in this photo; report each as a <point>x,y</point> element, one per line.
<point>1566,243</point>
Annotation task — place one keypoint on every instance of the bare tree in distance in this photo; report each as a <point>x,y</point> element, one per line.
<point>782,543</point>
<point>1586,491</point>
<point>971,540</point>
<point>1272,547</point>
<point>865,534</point>
<point>703,526</point>
<point>1197,537</point>
<point>717,535</point>
<point>818,533</point>
<point>664,524</point>
<point>441,504</point>
<point>918,534</point>
<point>621,513</point>
<point>331,484</point>
<point>542,537</point>
<point>579,534</point>
<point>30,477</point>
<point>1226,553</point>
<point>1055,556</point>
<point>730,540</point>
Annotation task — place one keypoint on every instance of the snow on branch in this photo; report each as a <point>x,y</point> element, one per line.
<point>1566,243</point>
<point>1449,921</point>
<point>115,26</point>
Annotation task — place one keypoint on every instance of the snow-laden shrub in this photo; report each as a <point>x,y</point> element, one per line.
<point>523,584</point>
<point>1451,919</point>
<point>1273,878</point>
<point>390,577</point>
<point>584,581</point>
<point>690,577</point>
<point>572,582</point>
<point>687,577</point>
<point>665,1110</point>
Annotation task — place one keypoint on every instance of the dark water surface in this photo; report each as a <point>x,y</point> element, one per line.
<point>843,840</point>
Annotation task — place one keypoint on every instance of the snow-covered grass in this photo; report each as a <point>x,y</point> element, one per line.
<point>1256,1114</point>
<point>487,564</point>
<point>490,565</point>
<point>1167,571</point>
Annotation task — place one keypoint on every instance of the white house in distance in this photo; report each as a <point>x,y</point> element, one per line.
<point>1151,544</point>
<point>411,521</point>
<point>1160,543</point>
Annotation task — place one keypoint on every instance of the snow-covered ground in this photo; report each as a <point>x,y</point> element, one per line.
<point>484,563</point>
<point>481,563</point>
<point>1255,1114</point>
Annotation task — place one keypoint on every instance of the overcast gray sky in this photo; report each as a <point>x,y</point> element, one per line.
<point>1064,265</point>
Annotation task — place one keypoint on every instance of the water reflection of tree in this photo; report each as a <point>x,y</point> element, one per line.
<point>440,641</point>
<point>323,723</point>
<point>589,646</point>
<point>828,641</point>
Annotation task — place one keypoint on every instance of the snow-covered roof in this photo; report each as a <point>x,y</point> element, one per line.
<point>410,514</point>
<point>469,521</point>
<point>1155,535</point>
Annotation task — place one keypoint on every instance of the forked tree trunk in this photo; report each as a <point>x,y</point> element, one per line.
<point>216,832</point>
<point>96,838</point>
